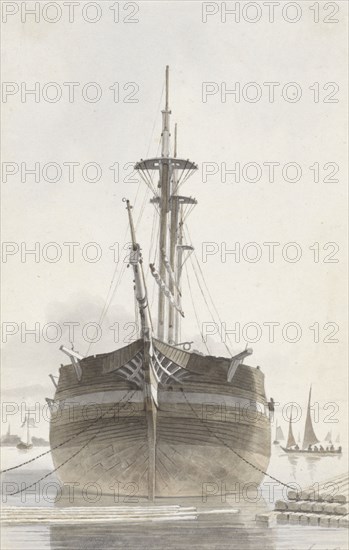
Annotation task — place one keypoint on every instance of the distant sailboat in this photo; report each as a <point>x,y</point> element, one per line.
<point>29,423</point>
<point>338,439</point>
<point>279,436</point>
<point>9,440</point>
<point>328,437</point>
<point>309,438</point>
<point>291,442</point>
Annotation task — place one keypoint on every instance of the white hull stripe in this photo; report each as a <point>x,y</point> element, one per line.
<point>173,397</point>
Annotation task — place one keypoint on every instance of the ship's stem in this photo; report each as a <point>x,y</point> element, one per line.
<point>151,416</point>
<point>150,383</point>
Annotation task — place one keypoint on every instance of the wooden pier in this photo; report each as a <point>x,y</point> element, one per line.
<point>325,505</point>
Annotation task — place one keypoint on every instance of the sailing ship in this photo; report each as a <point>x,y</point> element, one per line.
<point>170,419</point>
<point>310,439</point>
<point>279,435</point>
<point>9,440</point>
<point>28,422</point>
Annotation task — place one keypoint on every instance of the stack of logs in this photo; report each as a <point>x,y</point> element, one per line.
<point>115,514</point>
<point>324,506</point>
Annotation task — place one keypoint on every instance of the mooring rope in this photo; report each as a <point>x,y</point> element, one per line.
<point>71,457</point>
<point>69,439</point>
<point>233,450</point>
<point>220,439</point>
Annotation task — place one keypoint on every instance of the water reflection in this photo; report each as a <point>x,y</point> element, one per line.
<point>217,531</point>
<point>293,460</point>
<point>197,534</point>
<point>233,532</point>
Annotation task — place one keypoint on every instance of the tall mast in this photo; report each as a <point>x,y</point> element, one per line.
<point>173,172</point>
<point>172,313</point>
<point>28,435</point>
<point>175,142</point>
<point>176,250</point>
<point>179,272</point>
<point>165,177</point>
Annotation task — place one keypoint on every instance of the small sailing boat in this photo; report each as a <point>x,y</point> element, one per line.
<point>328,437</point>
<point>291,442</point>
<point>338,439</point>
<point>29,423</point>
<point>279,436</point>
<point>309,439</point>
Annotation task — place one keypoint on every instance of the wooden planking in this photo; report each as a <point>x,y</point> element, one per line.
<point>115,514</point>
<point>124,514</point>
<point>176,355</point>
<point>101,370</point>
<point>183,464</point>
<point>188,452</point>
<point>180,428</point>
<point>214,388</point>
<point>120,357</point>
<point>69,387</point>
<point>239,436</point>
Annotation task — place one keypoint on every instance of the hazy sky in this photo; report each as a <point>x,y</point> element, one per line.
<point>218,132</point>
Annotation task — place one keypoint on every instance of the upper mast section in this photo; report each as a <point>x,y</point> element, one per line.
<point>167,87</point>
<point>171,172</point>
<point>165,136</point>
<point>175,142</point>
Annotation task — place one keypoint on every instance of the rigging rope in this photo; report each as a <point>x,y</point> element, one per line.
<point>72,456</point>
<point>165,290</point>
<point>171,274</point>
<point>111,293</point>
<point>233,450</point>
<point>187,211</point>
<point>209,294</point>
<point>153,240</point>
<point>183,178</point>
<point>207,304</point>
<point>195,312</point>
<point>155,257</point>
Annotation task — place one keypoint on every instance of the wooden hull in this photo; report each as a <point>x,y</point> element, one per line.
<point>205,434</point>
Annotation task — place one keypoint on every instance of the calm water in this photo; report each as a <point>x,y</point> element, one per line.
<point>236,532</point>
